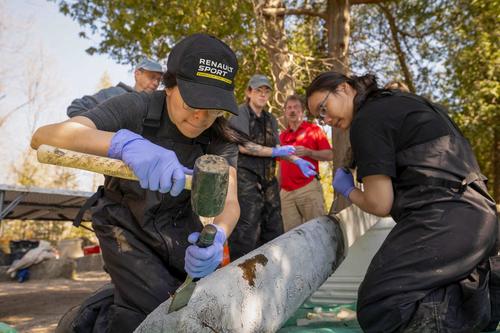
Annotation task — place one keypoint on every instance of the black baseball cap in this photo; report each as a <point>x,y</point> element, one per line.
<point>205,68</point>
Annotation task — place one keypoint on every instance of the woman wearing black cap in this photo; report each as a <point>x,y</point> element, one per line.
<point>431,273</point>
<point>143,227</point>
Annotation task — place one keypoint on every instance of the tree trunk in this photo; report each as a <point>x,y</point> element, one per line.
<point>271,22</point>
<point>337,22</point>
<point>496,165</point>
<point>260,291</point>
<point>337,25</point>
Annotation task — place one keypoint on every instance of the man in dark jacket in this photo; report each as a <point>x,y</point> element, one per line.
<point>147,77</point>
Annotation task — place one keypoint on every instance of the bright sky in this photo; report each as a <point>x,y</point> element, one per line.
<point>33,34</point>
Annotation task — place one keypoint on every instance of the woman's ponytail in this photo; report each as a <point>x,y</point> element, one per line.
<point>365,86</point>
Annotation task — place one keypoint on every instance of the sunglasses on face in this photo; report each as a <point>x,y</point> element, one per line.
<point>213,112</point>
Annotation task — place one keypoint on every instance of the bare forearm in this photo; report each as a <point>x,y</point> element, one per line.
<point>75,134</point>
<point>229,217</point>
<point>254,149</point>
<point>365,204</point>
<point>377,197</point>
<point>318,155</point>
<point>322,155</point>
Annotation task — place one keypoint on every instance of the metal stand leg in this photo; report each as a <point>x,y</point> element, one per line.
<point>2,196</point>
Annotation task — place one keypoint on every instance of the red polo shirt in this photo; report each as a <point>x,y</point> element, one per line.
<point>310,136</point>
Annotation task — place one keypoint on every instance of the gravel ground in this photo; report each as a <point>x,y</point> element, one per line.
<point>36,306</point>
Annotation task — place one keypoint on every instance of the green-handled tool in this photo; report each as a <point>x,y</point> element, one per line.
<point>183,293</point>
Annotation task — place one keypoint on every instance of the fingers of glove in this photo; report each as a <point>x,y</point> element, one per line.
<point>343,178</point>
<point>166,179</point>
<point>289,150</point>
<point>193,237</point>
<point>306,167</point>
<point>187,171</point>
<point>207,270</point>
<point>200,273</point>
<point>309,169</point>
<point>342,172</point>
<point>178,181</point>
<point>343,182</point>
<point>143,182</point>
<point>154,175</point>
<point>201,253</point>
<point>310,173</point>
<point>199,268</point>
<point>141,172</point>
<point>197,265</point>
<point>220,236</point>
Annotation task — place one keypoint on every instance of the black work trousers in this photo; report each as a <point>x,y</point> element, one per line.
<point>260,213</point>
<point>145,264</point>
<point>431,274</point>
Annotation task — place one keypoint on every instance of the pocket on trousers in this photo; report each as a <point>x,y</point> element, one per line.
<point>495,290</point>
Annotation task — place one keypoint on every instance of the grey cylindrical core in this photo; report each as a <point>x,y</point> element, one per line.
<point>210,183</point>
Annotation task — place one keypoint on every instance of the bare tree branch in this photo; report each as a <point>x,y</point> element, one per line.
<point>293,11</point>
<point>307,11</point>
<point>397,44</point>
<point>364,2</point>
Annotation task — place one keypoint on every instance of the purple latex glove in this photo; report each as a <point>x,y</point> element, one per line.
<point>201,261</point>
<point>306,167</point>
<point>343,182</point>
<point>156,167</point>
<point>283,151</point>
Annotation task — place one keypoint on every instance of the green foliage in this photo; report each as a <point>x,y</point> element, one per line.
<point>132,29</point>
<point>474,72</point>
<point>450,46</point>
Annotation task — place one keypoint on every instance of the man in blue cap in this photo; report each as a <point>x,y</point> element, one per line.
<point>147,77</point>
<point>258,191</point>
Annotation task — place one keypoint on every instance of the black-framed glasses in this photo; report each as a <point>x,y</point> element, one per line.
<point>215,112</point>
<point>322,110</point>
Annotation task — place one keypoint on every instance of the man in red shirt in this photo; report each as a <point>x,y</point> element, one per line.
<point>301,196</point>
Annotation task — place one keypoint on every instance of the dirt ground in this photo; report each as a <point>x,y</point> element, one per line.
<point>36,306</point>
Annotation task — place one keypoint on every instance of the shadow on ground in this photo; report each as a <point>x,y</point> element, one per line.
<point>36,306</point>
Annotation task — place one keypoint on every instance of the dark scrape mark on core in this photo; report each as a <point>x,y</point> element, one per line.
<point>298,231</point>
<point>249,267</point>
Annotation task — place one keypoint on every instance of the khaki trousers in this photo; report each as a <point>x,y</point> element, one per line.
<point>302,205</point>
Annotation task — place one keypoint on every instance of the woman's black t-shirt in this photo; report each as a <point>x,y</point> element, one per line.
<point>387,124</point>
<point>127,111</point>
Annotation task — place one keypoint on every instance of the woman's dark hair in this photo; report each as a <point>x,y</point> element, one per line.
<point>169,79</point>
<point>220,128</point>
<point>365,85</point>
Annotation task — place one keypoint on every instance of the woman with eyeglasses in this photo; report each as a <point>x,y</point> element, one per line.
<point>145,228</point>
<point>432,272</point>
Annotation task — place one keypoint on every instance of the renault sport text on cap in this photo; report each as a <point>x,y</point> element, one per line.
<point>205,68</point>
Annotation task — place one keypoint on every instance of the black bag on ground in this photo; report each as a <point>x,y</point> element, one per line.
<point>91,316</point>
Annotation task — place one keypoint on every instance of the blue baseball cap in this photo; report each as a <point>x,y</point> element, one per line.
<point>259,80</point>
<point>149,65</point>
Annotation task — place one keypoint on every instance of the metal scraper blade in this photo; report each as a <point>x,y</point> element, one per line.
<point>182,295</point>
